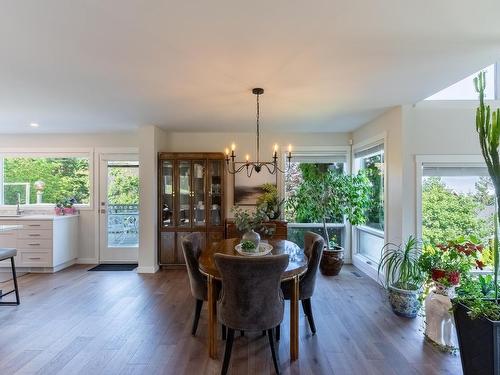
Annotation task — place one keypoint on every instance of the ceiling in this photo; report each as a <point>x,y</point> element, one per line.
<point>331,65</point>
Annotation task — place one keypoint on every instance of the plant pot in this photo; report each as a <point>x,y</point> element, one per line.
<point>68,210</point>
<point>58,211</point>
<point>478,343</point>
<point>252,236</point>
<point>404,302</point>
<point>332,261</point>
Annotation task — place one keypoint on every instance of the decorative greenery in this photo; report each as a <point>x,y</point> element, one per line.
<point>478,293</point>
<point>248,245</point>
<point>270,201</point>
<point>327,195</point>
<point>401,265</point>
<point>447,263</point>
<point>246,220</point>
<point>66,203</point>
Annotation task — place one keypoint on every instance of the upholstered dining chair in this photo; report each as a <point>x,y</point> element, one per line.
<point>251,298</point>
<point>4,255</point>
<point>191,247</point>
<point>313,248</point>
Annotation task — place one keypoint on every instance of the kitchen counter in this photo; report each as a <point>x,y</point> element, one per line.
<point>31,217</point>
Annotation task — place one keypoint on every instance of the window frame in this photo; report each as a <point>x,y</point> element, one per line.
<point>445,159</point>
<point>87,153</point>
<point>321,151</point>
<point>364,263</point>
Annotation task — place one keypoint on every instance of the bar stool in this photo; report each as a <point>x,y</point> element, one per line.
<point>4,255</point>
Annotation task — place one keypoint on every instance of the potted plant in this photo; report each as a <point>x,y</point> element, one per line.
<point>65,206</point>
<point>329,195</point>
<point>403,276</point>
<point>250,223</point>
<point>477,318</point>
<point>270,201</point>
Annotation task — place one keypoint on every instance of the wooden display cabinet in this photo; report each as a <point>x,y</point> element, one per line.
<point>191,198</point>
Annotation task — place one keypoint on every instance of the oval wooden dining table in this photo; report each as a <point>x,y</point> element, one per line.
<point>297,265</point>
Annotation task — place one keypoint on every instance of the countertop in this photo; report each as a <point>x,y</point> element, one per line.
<point>30,217</point>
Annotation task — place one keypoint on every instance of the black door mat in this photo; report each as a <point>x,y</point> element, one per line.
<point>114,267</point>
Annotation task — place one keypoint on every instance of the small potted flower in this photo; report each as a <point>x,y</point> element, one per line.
<point>65,207</point>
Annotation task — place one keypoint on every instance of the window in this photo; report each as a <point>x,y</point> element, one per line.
<point>303,165</point>
<point>44,180</point>
<point>464,89</point>
<point>456,200</point>
<point>370,236</point>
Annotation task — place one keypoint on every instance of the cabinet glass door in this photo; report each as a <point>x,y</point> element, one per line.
<point>216,169</point>
<point>167,209</point>
<point>184,213</point>
<point>199,173</point>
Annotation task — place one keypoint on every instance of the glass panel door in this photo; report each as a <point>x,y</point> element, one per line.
<point>119,210</point>
<point>167,209</point>
<point>216,168</point>
<point>199,173</point>
<point>184,193</point>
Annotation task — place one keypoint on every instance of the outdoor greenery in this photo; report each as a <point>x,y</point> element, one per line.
<point>401,265</point>
<point>326,195</point>
<point>375,209</point>
<point>123,186</point>
<point>447,214</point>
<point>63,177</point>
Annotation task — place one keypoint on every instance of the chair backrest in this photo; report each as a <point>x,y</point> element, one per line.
<point>191,247</point>
<point>313,248</point>
<point>251,297</point>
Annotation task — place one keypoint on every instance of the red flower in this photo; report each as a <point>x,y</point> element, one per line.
<point>479,264</point>
<point>454,277</point>
<point>437,274</point>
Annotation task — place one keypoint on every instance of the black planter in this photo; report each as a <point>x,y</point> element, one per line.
<point>479,342</point>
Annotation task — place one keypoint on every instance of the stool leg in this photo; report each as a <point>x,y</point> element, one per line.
<point>14,276</point>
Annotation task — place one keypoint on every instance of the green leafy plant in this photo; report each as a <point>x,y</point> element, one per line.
<point>246,220</point>
<point>248,245</point>
<point>270,201</point>
<point>401,265</point>
<point>327,195</point>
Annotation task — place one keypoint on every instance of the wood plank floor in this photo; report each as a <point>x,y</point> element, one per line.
<point>78,322</point>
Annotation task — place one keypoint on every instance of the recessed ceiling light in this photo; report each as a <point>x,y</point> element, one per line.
<point>34,125</point>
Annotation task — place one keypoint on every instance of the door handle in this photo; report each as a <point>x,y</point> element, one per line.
<point>102,211</point>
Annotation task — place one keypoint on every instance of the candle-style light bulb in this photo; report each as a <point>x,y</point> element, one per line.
<point>227,151</point>
<point>289,148</point>
<point>247,157</point>
<point>233,147</point>
<point>275,148</point>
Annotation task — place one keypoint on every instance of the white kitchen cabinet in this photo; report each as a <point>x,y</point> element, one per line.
<point>45,243</point>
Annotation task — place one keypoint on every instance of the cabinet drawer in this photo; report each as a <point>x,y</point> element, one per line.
<point>35,258</point>
<point>8,239</point>
<point>35,233</point>
<point>35,243</point>
<point>42,224</point>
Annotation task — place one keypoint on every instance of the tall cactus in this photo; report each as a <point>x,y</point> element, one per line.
<point>488,128</point>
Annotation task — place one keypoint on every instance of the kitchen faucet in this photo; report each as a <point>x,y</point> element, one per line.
<point>18,209</point>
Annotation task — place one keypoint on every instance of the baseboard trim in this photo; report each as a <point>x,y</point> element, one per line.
<point>87,261</point>
<point>149,269</point>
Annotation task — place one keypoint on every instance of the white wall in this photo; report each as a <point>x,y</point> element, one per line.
<point>88,228</point>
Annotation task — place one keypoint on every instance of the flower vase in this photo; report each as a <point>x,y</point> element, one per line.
<point>439,322</point>
<point>252,236</point>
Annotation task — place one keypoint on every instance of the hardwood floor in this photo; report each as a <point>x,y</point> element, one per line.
<point>78,322</point>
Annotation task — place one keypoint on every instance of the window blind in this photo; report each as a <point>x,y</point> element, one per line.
<point>369,151</point>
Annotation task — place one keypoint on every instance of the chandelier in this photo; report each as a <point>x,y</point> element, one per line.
<point>250,166</point>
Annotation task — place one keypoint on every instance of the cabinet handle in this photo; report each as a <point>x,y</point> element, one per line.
<point>34,244</point>
<point>35,258</point>
<point>33,225</point>
<point>34,235</point>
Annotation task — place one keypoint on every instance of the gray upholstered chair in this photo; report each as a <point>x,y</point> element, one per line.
<point>313,248</point>
<point>4,255</point>
<point>191,247</point>
<point>251,298</point>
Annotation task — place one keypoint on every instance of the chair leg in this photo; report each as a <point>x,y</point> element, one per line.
<point>306,305</point>
<point>278,332</point>
<point>242,333</point>
<point>16,288</point>
<point>273,351</point>
<point>224,330</point>
<point>14,277</point>
<point>227,353</point>
<point>197,312</point>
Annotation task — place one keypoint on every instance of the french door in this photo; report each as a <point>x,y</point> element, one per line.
<point>119,208</point>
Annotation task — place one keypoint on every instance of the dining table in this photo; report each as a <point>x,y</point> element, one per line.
<point>297,266</point>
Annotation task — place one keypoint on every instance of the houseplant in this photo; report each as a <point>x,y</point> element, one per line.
<point>250,223</point>
<point>269,200</point>
<point>403,276</point>
<point>65,206</point>
<point>326,195</point>
<point>477,318</point>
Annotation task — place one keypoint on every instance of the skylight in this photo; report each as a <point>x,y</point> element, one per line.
<point>464,89</point>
